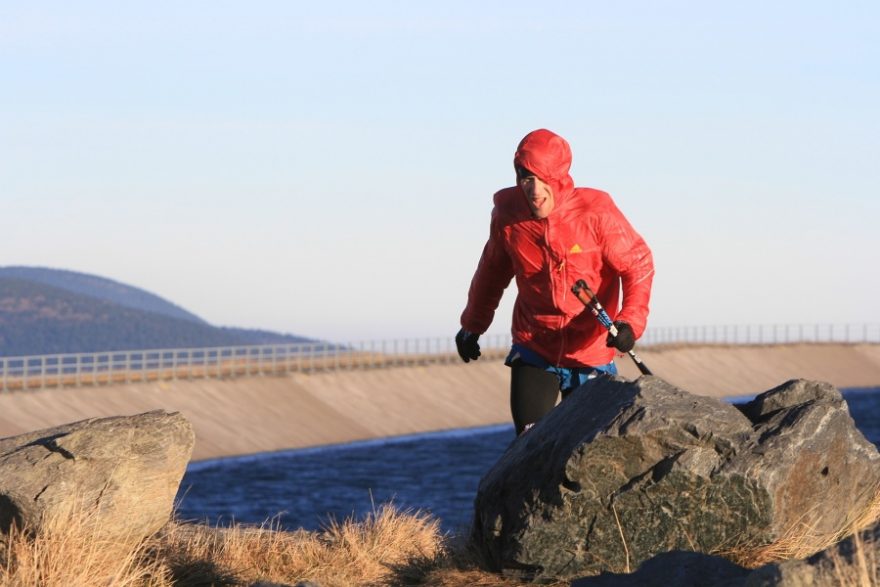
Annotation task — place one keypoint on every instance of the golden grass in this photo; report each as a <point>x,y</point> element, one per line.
<point>71,551</point>
<point>388,547</point>
<point>860,570</point>
<point>802,540</point>
<point>371,552</point>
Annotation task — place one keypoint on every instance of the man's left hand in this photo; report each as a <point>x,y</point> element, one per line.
<point>625,339</point>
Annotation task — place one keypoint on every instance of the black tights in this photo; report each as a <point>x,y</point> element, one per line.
<point>533,393</point>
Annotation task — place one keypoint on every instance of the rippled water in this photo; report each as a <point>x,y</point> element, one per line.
<point>437,472</point>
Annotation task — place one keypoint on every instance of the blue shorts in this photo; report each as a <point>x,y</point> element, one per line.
<point>569,377</point>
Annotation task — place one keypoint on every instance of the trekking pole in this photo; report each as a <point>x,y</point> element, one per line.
<point>589,299</point>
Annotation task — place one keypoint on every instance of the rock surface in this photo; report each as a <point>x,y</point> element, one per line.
<point>674,569</point>
<point>125,469</point>
<point>853,561</point>
<point>622,471</point>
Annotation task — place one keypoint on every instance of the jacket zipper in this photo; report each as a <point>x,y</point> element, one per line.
<point>551,262</point>
<point>557,270</point>
<point>562,325</point>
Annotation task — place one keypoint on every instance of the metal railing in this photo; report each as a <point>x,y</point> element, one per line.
<point>761,334</point>
<point>115,367</point>
<point>102,368</point>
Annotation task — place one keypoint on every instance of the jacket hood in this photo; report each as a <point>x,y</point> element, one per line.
<point>548,156</point>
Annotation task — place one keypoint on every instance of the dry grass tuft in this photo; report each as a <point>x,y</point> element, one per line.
<point>802,540</point>
<point>72,551</point>
<point>859,570</point>
<point>385,545</point>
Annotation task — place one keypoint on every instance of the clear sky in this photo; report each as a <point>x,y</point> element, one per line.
<point>326,168</point>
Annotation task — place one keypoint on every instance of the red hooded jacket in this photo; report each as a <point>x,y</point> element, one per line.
<point>584,237</point>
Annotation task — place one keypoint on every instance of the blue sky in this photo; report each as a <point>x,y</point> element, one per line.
<point>326,169</point>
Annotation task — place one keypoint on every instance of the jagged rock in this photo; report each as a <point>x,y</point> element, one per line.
<point>808,455</point>
<point>126,470</point>
<point>622,471</point>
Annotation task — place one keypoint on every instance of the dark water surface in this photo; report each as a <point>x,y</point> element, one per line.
<point>436,472</point>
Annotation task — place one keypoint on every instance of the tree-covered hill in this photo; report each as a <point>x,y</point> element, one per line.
<point>38,318</point>
<point>101,288</point>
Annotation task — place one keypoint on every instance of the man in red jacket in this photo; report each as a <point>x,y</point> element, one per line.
<point>548,234</point>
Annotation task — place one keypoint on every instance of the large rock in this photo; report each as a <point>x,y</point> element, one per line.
<point>622,471</point>
<point>126,470</point>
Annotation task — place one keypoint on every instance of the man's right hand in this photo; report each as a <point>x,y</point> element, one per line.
<point>625,339</point>
<point>467,345</point>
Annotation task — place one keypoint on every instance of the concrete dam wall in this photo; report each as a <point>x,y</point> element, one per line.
<point>258,414</point>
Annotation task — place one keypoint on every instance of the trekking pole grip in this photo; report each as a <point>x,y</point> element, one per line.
<point>589,299</point>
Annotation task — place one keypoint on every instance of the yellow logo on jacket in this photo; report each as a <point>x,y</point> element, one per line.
<point>575,249</point>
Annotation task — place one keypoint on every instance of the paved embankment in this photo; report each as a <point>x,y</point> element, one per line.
<point>257,414</point>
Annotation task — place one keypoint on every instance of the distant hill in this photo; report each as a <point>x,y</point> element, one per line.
<point>101,288</point>
<point>46,311</point>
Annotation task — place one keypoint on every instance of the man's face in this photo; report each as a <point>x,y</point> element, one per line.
<point>538,194</point>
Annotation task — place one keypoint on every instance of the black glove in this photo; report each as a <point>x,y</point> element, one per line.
<point>467,345</point>
<point>625,339</point>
